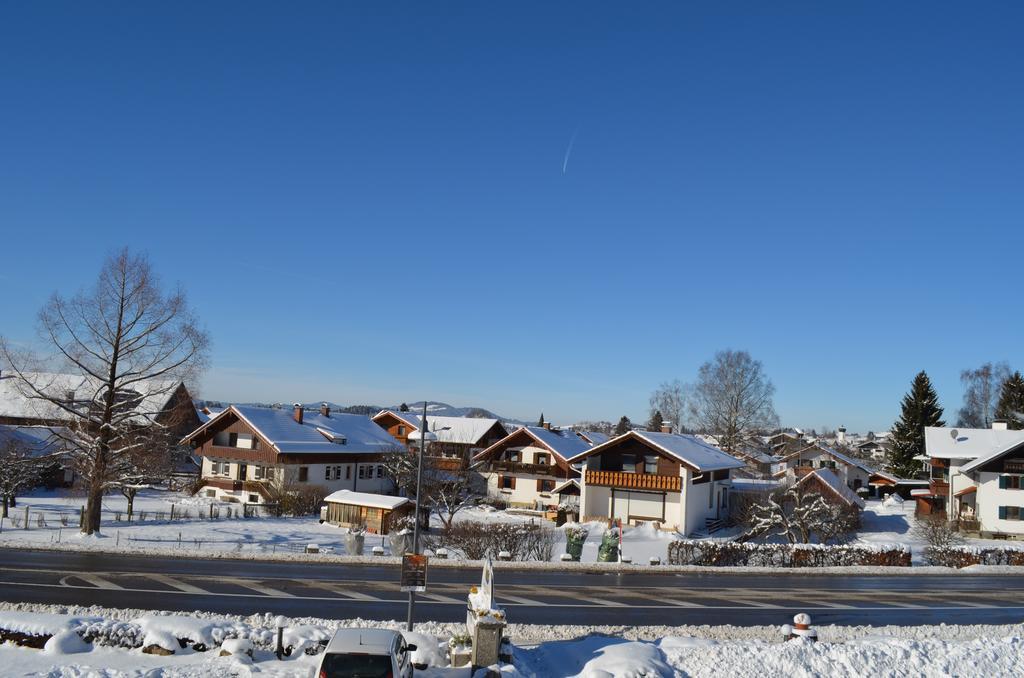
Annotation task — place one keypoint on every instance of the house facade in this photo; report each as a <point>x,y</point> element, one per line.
<point>458,438</point>
<point>674,480</point>
<point>249,452</point>
<point>977,479</point>
<point>525,468</point>
<point>854,473</point>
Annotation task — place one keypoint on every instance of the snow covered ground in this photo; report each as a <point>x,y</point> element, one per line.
<point>540,651</point>
<point>892,522</point>
<point>194,533</point>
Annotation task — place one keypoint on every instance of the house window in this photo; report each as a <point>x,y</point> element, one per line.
<point>211,493</point>
<point>940,473</point>
<point>327,473</point>
<point>254,499</point>
<point>651,463</point>
<point>1010,482</point>
<point>303,474</point>
<point>506,482</point>
<point>232,440</point>
<point>258,472</point>
<point>401,430</point>
<point>629,463</point>
<point>545,485</point>
<point>348,472</point>
<point>362,472</point>
<point>1011,513</point>
<point>380,471</point>
<point>513,455</point>
<point>826,463</point>
<point>541,458</point>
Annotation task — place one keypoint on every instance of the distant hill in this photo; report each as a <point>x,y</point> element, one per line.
<point>433,408</point>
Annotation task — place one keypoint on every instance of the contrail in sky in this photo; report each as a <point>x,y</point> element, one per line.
<point>565,163</point>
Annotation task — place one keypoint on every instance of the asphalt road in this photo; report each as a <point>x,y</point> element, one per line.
<point>539,597</point>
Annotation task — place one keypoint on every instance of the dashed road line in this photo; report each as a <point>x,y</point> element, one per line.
<point>265,590</point>
<point>518,600</point>
<point>442,599</point>
<point>99,582</point>
<point>174,583</point>
<point>341,591</point>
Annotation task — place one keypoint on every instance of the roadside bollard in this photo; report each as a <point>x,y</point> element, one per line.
<point>441,554</point>
<point>378,550</point>
<point>280,622</point>
<point>504,555</point>
<point>655,560</point>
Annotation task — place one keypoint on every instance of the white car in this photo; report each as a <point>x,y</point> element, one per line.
<point>367,653</point>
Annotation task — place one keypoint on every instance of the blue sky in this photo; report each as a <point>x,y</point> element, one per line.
<point>367,203</point>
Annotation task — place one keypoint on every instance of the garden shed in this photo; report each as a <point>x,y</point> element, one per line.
<point>346,508</point>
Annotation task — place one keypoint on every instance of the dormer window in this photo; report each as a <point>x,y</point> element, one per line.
<point>337,438</point>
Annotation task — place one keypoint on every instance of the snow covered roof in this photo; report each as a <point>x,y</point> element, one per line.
<point>594,437</point>
<point>969,443</point>
<point>37,440</point>
<point>828,478</point>
<point>561,442</point>
<point>16,399</point>
<point>686,448</point>
<point>316,433</point>
<point>838,456</point>
<point>461,430</point>
<point>754,485</point>
<point>992,456</point>
<point>381,501</point>
<point>571,482</point>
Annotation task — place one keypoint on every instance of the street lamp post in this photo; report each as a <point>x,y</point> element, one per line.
<point>424,434</point>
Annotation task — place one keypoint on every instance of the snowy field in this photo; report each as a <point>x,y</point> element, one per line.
<point>540,651</point>
<point>193,532</point>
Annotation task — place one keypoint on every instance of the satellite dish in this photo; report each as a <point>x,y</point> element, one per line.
<point>954,434</point>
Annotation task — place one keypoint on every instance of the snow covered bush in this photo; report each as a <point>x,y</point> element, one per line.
<point>937,531</point>
<point>801,515</point>
<point>957,555</point>
<point>476,540</point>
<point>718,553</point>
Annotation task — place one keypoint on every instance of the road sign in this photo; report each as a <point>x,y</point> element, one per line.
<point>414,573</point>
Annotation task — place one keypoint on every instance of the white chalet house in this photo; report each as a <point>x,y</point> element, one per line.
<point>530,467</point>
<point>977,479</point>
<point>677,481</point>
<point>245,451</point>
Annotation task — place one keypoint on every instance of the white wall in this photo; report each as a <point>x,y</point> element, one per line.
<point>316,476</point>
<point>990,498</point>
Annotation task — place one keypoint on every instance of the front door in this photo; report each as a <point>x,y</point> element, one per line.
<point>243,469</point>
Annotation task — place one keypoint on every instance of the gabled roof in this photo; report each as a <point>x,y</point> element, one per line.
<point>829,479</point>
<point>969,443</point>
<point>16,400</point>
<point>571,482</point>
<point>279,428</point>
<point>36,440</point>
<point>994,455</point>
<point>562,443</point>
<point>838,456</point>
<point>594,437</point>
<point>688,449</point>
<point>381,501</point>
<point>461,430</point>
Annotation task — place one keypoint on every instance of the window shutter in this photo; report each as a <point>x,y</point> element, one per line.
<point>1002,482</point>
<point>1002,511</point>
<point>513,483</point>
<point>540,485</point>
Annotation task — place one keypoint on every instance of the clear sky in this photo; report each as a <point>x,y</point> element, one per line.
<point>367,203</point>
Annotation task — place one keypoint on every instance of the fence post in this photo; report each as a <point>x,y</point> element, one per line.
<point>211,511</point>
<point>26,517</point>
<point>81,517</point>
<point>172,513</point>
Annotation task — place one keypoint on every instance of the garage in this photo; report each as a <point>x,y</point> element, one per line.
<point>630,505</point>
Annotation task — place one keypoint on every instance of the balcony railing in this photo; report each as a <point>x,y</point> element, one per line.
<point>519,467</point>
<point>637,481</point>
<point>232,485</point>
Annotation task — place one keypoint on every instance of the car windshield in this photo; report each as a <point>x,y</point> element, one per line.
<point>356,666</point>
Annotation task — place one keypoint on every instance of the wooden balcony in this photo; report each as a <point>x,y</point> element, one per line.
<point>232,485</point>
<point>518,467</point>
<point>634,481</point>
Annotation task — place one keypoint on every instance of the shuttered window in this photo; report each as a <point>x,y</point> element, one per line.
<point>1011,513</point>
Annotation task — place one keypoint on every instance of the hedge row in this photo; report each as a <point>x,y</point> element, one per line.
<point>688,552</point>
<point>964,556</point>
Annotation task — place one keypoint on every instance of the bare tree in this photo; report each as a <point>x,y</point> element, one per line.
<point>732,398</point>
<point>670,399</point>
<point>982,387</point>
<point>445,490</point>
<point>129,347</point>
<point>800,514</point>
<point>19,470</point>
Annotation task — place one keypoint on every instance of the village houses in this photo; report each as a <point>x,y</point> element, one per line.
<point>248,452</point>
<point>854,473</point>
<point>458,438</point>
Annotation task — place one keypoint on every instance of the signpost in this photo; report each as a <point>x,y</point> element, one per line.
<point>414,573</point>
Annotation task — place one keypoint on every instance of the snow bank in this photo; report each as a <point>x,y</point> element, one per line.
<point>66,642</point>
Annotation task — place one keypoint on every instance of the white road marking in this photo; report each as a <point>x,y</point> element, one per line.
<point>442,599</point>
<point>265,590</point>
<point>753,603</point>
<point>518,600</point>
<point>99,582</point>
<point>602,601</point>
<point>174,583</point>
<point>342,591</point>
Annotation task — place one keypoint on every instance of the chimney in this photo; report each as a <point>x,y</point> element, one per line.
<point>298,412</point>
<point>325,411</point>
<point>547,425</point>
<point>999,425</point>
<point>666,428</point>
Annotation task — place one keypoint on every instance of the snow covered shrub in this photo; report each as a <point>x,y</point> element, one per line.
<point>575,536</point>
<point>937,531</point>
<point>476,540</point>
<point>955,555</point>
<point>469,538</point>
<point>718,553</point>
<point>300,499</point>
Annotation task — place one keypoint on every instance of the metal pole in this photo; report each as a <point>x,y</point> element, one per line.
<point>416,511</point>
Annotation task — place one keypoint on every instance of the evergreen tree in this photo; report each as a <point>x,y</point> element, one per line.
<point>624,426</point>
<point>540,422</point>
<point>920,408</point>
<point>656,421</point>
<point>403,408</point>
<point>1011,402</point>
